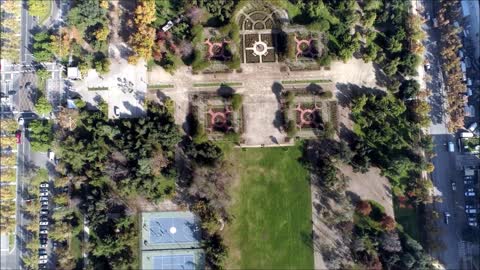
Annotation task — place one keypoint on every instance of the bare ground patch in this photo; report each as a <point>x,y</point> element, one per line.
<point>370,186</point>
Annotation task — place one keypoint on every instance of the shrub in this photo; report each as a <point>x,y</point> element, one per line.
<point>326,95</point>
<point>237,101</point>
<point>291,128</point>
<point>364,208</point>
<point>289,98</point>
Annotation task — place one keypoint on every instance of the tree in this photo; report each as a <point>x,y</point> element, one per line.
<point>205,153</point>
<point>409,89</point>
<point>42,106</point>
<point>39,8</point>
<point>291,128</point>
<point>388,223</point>
<point>41,135</point>
<point>61,231</point>
<point>144,36</point>
<point>364,208</point>
<point>42,47</point>
<point>102,33</point>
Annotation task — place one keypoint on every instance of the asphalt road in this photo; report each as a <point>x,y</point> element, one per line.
<point>448,166</point>
<point>28,23</point>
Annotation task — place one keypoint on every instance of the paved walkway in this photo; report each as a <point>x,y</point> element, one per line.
<point>258,80</point>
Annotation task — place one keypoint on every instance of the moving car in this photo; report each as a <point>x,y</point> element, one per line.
<point>469,194</point>
<point>451,147</point>
<point>18,135</point>
<point>447,216</point>
<point>454,186</point>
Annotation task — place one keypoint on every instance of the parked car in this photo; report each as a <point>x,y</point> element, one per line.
<point>43,246</point>
<point>44,223</point>
<point>471,211</point>
<point>469,206</point>
<point>473,224</point>
<point>43,203</point>
<point>473,126</point>
<point>44,198</point>
<point>472,219</point>
<point>42,261</point>
<point>447,216</point>
<point>469,194</point>
<point>42,252</point>
<point>468,182</point>
<point>454,186</point>
<point>43,257</point>
<point>43,232</point>
<point>44,194</point>
<point>44,185</point>
<point>44,212</point>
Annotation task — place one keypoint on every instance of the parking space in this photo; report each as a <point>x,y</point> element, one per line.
<point>44,223</point>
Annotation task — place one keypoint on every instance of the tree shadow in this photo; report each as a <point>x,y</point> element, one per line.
<point>279,120</point>
<point>277,89</point>
<point>314,89</point>
<point>381,78</point>
<point>135,111</point>
<point>347,92</point>
<point>225,91</point>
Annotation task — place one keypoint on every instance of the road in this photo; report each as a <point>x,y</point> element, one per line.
<point>448,166</point>
<point>28,23</point>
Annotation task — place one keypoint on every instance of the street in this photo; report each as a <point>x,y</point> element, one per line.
<point>449,166</point>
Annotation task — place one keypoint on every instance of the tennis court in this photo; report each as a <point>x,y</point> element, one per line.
<point>174,262</point>
<point>173,230</point>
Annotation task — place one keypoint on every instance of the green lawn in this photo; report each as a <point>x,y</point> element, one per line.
<point>271,224</point>
<point>407,218</point>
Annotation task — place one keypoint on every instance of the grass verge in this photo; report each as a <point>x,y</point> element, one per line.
<point>306,81</point>
<point>159,86</point>
<point>272,227</point>
<point>217,84</point>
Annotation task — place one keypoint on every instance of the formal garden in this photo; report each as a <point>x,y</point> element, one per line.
<point>217,115</point>
<point>309,111</point>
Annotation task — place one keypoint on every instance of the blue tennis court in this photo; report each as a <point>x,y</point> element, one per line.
<point>173,230</point>
<point>173,262</point>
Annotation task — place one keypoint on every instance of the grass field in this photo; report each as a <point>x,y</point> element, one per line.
<point>271,224</point>
<point>408,219</point>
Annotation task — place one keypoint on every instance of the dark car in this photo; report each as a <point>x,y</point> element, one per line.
<point>43,241</point>
<point>42,251</point>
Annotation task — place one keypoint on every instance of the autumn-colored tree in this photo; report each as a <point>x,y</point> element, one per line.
<point>364,208</point>
<point>102,33</point>
<point>144,36</point>
<point>388,223</point>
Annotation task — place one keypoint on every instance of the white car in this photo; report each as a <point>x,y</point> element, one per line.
<point>44,194</point>
<point>44,185</point>
<point>43,223</point>
<point>473,224</point>
<point>44,202</point>
<point>43,257</point>
<point>42,261</point>
<point>43,198</point>
<point>471,211</point>
<point>44,212</point>
<point>469,194</point>
<point>44,232</point>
